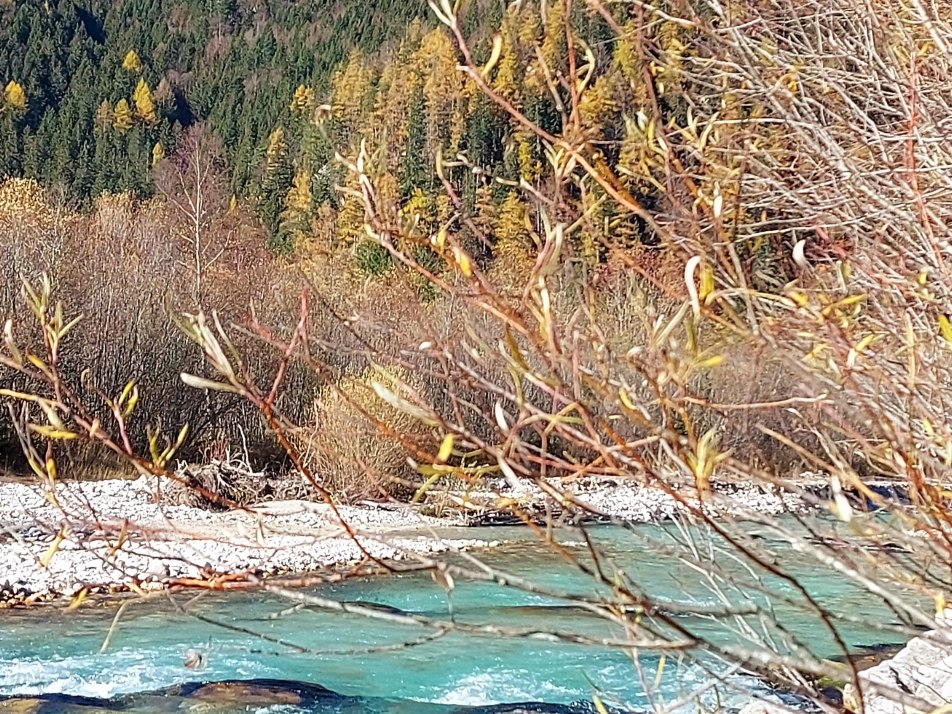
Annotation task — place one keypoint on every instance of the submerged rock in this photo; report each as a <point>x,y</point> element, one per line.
<point>209,697</point>
<point>232,696</point>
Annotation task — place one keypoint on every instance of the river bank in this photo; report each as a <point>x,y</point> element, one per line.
<point>112,536</point>
<point>52,651</point>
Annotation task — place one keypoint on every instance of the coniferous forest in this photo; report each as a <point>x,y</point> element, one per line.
<point>96,93</point>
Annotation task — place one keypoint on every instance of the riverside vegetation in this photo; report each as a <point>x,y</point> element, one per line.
<point>674,243</point>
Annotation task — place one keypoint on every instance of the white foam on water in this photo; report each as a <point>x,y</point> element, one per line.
<point>502,685</point>
<point>65,676</point>
<point>121,671</point>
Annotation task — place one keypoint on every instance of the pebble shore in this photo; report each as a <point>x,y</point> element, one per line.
<point>111,536</point>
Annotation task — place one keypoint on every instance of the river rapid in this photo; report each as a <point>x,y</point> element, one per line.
<point>160,642</point>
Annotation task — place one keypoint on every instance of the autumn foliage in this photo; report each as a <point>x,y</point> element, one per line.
<point>632,191</point>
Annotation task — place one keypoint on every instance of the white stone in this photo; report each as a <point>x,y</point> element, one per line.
<point>921,670</point>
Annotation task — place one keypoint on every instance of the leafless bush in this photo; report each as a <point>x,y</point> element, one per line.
<point>357,444</point>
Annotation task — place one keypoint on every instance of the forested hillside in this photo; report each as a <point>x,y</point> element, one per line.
<point>625,158</point>
<point>97,99</point>
<point>214,156</point>
<point>539,249</point>
<point>96,92</point>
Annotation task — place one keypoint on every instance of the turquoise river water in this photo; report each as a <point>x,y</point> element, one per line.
<point>52,650</point>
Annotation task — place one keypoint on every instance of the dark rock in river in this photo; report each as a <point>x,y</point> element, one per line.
<point>226,696</point>
<point>241,696</point>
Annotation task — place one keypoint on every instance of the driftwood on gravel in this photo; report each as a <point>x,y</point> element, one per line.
<point>232,482</point>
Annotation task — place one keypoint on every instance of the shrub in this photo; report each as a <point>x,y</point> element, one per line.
<point>356,443</point>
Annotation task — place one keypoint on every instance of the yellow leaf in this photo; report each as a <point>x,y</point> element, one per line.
<point>446,448</point>
<point>866,342</point>
<point>711,362</point>
<point>78,599</point>
<point>514,350</point>
<point>707,282</point>
<point>462,260</point>
<point>69,326</point>
<point>705,458</point>
<point>421,492</point>
<point>660,671</point>
<point>845,302</point>
<point>494,55</point>
<point>54,546</point>
<point>23,396</point>
<point>625,399</point>
<point>799,298</point>
<point>597,703</point>
<point>133,400</point>
<point>436,469</point>
<point>125,392</point>
<point>51,432</point>
<point>945,328</point>
<point>706,133</point>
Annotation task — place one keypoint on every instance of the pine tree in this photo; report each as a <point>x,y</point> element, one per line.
<point>145,107</point>
<point>158,153</point>
<point>415,164</point>
<point>9,146</point>
<point>122,116</point>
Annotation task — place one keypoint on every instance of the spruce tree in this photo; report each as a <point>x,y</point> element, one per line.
<point>276,181</point>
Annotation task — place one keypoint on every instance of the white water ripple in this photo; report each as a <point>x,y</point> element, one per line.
<point>501,685</point>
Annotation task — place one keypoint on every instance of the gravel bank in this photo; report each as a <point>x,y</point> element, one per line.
<point>640,504</point>
<point>109,536</point>
<point>626,501</point>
